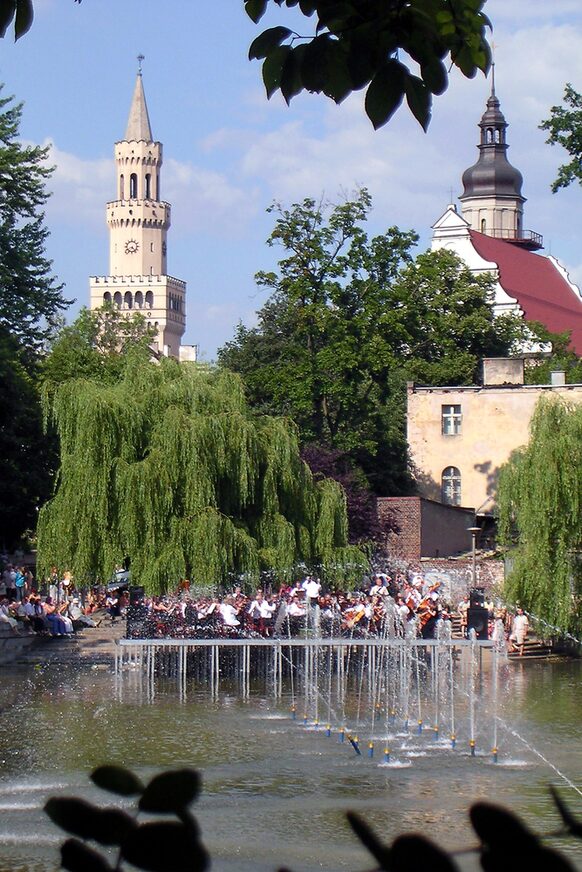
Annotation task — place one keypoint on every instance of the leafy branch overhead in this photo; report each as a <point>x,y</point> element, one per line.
<point>565,128</point>
<point>368,44</point>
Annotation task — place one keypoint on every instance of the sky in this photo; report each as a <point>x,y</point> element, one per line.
<point>229,152</point>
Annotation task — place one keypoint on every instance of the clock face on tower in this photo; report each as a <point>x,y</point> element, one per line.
<point>131,246</point>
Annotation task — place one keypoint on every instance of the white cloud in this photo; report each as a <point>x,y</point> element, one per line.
<point>201,199</point>
<point>80,188</point>
<point>206,200</point>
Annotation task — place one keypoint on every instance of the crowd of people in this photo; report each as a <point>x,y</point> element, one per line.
<point>385,605</point>
<point>397,604</point>
<point>56,608</point>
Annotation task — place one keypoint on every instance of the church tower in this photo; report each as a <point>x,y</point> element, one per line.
<point>138,221</point>
<point>492,202</point>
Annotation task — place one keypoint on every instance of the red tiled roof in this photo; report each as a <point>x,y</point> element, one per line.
<point>537,285</point>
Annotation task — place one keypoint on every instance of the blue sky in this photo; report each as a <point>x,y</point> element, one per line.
<point>228,152</point>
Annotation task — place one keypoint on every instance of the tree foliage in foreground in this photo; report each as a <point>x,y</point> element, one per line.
<point>27,458</point>
<point>30,305</point>
<point>505,843</point>
<point>31,300</point>
<point>565,128</point>
<point>355,44</point>
<point>540,506</point>
<point>169,468</point>
<point>349,320</point>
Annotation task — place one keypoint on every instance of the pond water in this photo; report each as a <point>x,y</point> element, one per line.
<point>275,791</point>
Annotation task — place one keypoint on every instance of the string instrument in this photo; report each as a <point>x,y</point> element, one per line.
<point>353,616</point>
<point>426,608</point>
<point>410,602</point>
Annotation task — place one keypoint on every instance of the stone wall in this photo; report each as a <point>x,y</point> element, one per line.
<point>417,527</point>
<point>455,576</point>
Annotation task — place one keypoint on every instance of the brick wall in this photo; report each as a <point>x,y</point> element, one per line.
<point>401,518</point>
<point>417,527</point>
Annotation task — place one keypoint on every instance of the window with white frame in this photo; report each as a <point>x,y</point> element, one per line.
<point>451,420</point>
<point>451,486</point>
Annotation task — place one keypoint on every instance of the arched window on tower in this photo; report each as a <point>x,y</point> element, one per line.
<point>483,225</point>
<point>158,186</point>
<point>497,135</point>
<point>148,187</point>
<point>149,298</point>
<point>121,187</point>
<point>139,300</point>
<point>117,299</point>
<point>133,186</point>
<point>107,297</point>
<point>128,300</point>
<point>451,486</point>
<point>489,135</point>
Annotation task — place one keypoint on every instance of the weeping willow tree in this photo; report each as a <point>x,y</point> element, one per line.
<point>540,501</point>
<point>169,468</point>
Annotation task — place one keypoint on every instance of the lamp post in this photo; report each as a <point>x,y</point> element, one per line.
<point>473,531</point>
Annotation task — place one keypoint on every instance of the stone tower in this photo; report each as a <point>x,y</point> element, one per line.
<point>138,221</point>
<point>492,202</point>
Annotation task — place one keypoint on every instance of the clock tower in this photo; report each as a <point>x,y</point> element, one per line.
<point>138,221</point>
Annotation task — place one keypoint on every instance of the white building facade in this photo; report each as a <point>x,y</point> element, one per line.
<point>138,221</point>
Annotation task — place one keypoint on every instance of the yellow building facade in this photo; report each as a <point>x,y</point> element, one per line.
<point>459,437</point>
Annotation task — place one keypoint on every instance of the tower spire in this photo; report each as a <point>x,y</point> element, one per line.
<point>138,124</point>
<point>492,198</point>
<point>138,221</point>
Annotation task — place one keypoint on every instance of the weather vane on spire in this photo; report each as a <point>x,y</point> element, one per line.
<point>493,47</point>
<point>140,60</point>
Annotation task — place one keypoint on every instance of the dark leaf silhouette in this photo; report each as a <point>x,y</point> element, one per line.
<point>171,791</point>
<point>570,822</point>
<point>73,815</point>
<point>117,779</point>
<point>368,838</point>
<point>165,847</point>
<point>499,829</point>
<point>77,857</point>
<point>412,853</point>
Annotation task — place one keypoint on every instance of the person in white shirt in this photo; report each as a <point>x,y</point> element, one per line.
<point>261,613</point>
<point>228,613</point>
<point>519,631</point>
<point>312,588</point>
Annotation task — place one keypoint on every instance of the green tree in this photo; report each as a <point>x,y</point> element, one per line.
<point>30,297</point>
<point>565,128</point>
<point>357,44</point>
<point>27,457</point>
<point>540,502</point>
<point>96,345</point>
<point>349,321</point>
<point>557,355</point>
<point>168,468</point>
<point>31,301</point>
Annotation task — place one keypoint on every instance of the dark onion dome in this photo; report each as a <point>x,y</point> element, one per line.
<point>492,175</point>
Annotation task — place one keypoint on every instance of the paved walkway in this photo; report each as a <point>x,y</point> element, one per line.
<point>91,645</point>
